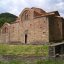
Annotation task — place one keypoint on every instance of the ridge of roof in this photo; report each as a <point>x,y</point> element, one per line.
<point>56,12</point>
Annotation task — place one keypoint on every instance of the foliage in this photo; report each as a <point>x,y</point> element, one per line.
<point>7,17</point>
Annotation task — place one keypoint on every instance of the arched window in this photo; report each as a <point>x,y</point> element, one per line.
<point>13,28</point>
<point>5,30</point>
<point>26,15</point>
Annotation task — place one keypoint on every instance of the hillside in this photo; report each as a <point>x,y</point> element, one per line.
<point>7,17</point>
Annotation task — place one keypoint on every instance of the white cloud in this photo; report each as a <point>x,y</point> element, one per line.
<point>16,6</point>
<point>38,3</point>
<point>13,6</point>
<point>62,14</point>
<point>59,5</point>
<point>13,11</point>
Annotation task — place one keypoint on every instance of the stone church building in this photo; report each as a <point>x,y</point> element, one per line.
<point>33,26</point>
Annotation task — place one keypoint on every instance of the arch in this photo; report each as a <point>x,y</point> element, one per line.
<point>5,28</point>
<point>25,11</point>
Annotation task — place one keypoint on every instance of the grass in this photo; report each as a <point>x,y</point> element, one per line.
<point>28,50</point>
<point>34,62</point>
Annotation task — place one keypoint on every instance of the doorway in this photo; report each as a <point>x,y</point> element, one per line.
<point>25,38</point>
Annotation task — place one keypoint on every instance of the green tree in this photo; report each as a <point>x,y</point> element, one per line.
<point>7,17</point>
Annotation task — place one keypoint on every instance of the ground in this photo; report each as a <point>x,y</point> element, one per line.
<point>35,62</point>
<point>25,51</point>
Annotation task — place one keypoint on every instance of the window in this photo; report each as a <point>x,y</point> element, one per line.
<point>30,25</point>
<point>40,27</point>
<point>13,28</point>
<point>26,16</point>
<point>44,32</point>
<point>44,21</point>
<point>5,30</point>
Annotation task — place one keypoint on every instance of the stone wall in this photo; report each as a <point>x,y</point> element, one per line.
<point>15,33</point>
<point>4,33</point>
<point>36,30</point>
<point>32,28</point>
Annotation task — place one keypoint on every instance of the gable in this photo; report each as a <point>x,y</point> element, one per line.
<point>5,25</point>
<point>25,14</point>
<point>5,28</point>
<point>38,11</point>
<point>29,13</point>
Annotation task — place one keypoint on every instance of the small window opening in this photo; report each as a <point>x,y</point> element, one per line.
<point>40,27</point>
<point>44,32</point>
<point>44,21</point>
<point>5,30</point>
<point>26,16</point>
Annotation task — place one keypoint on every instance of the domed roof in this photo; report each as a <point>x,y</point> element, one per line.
<point>38,10</point>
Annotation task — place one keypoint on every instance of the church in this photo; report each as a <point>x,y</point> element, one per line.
<point>34,26</point>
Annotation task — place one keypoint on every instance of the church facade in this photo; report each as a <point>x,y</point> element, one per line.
<point>33,26</point>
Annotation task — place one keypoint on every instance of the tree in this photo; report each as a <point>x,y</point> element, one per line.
<point>7,17</point>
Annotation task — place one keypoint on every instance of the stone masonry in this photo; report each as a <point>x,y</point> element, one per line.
<point>33,26</point>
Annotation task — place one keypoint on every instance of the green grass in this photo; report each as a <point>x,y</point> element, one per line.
<point>34,62</point>
<point>28,50</point>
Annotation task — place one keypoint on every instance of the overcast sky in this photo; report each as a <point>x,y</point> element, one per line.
<point>16,6</point>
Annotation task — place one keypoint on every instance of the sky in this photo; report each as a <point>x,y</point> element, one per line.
<point>16,6</point>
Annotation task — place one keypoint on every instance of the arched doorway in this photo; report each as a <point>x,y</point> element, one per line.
<point>26,38</point>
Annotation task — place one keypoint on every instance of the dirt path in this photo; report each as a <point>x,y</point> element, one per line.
<point>14,57</point>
